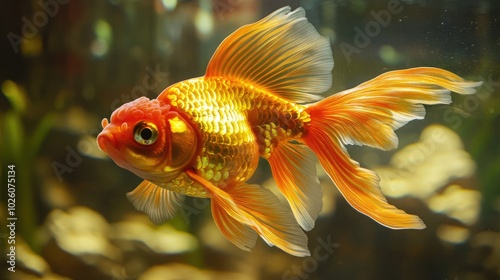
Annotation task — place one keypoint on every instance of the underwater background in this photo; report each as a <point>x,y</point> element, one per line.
<point>66,64</point>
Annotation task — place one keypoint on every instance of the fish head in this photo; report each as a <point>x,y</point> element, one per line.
<point>150,139</point>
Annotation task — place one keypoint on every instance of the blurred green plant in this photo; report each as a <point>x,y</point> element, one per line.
<point>19,146</point>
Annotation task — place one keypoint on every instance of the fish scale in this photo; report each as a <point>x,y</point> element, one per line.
<point>239,122</point>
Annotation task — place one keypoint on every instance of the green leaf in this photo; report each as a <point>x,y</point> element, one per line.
<point>15,95</point>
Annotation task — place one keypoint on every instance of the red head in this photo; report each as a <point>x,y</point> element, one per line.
<point>149,139</point>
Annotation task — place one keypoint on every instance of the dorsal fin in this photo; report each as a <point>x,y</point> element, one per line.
<point>282,53</point>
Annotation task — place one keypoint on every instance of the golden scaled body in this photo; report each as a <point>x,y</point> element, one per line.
<point>238,123</point>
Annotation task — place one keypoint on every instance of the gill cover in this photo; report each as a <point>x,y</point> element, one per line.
<point>182,141</point>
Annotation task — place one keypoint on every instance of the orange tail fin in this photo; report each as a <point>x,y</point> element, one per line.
<point>368,115</point>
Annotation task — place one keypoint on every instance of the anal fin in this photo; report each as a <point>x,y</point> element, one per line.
<point>294,170</point>
<point>259,209</point>
<point>238,233</point>
<point>158,203</point>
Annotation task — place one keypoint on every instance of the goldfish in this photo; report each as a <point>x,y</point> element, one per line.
<point>261,97</point>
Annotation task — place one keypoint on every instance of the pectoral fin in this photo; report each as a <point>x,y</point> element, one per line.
<point>158,203</point>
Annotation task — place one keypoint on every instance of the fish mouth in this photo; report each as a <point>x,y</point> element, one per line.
<point>108,144</point>
<point>105,141</point>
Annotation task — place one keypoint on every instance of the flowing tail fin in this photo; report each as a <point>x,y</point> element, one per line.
<point>368,115</point>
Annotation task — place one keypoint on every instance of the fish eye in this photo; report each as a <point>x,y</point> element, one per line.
<point>145,133</point>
